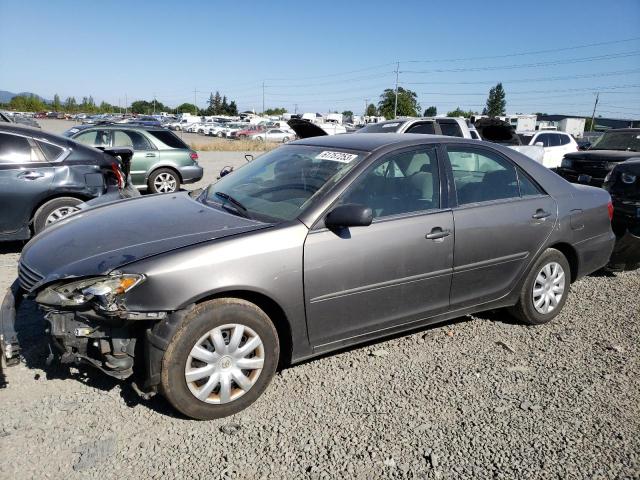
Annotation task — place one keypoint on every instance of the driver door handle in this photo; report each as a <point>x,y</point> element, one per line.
<point>437,233</point>
<point>540,214</point>
<point>150,155</point>
<point>31,175</point>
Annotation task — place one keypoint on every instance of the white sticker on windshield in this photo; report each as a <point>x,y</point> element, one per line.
<point>389,125</point>
<point>337,156</point>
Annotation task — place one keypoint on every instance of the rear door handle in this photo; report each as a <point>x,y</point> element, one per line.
<point>540,214</point>
<point>150,155</point>
<point>437,233</point>
<point>31,175</point>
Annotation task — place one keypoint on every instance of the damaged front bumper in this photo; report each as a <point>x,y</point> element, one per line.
<point>120,344</point>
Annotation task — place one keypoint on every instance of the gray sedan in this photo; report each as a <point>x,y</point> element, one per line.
<point>320,244</point>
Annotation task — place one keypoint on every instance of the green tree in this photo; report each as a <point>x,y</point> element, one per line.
<point>431,112</point>
<point>347,114</point>
<point>371,111</point>
<point>187,108</point>
<point>408,105</point>
<point>588,125</point>
<point>458,112</point>
<point>56,104</point>
<point>233,108</point>
<point>70,105</point>
<point>496,103</point>
<point>105,108</point>
<point>275,111</point>
<point>23,103</point>
<point>224,106</point>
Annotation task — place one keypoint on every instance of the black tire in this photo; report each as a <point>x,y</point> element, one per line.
<point>285,139</point>
<point>48,208</point>
<point>201,320</point>
<point>167,172</point>
<point>525,310</point>
<point>219,134</point>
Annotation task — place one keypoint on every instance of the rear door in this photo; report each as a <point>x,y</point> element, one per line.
<point>553,151</point>
<point>25,180</point>
<point>502,219</point>
<point>145,155</point>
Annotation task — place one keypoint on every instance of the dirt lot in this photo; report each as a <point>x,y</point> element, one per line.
<point>480,397</point>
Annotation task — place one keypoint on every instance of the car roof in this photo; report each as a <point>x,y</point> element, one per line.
<point>369,142</point>
<point>31,131</point>
<point>533,132</point>
<point>120,126</point>
<point>632,130</point>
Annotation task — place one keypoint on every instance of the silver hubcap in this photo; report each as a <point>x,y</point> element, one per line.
<point>165,183</point>
<point>548,288</point>
<point>59,213</point>
<point>224,364</point>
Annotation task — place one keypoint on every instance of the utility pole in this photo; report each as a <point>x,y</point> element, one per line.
<point>366,105</point>
<point>395,106</point>
<point>154,103</point>
<point>126,104</point>
<point>295,111</point>
<point>263,97</point>
<point>593,115</point>
<point>195,101</point>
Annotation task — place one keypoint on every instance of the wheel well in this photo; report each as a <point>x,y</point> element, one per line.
<point>174,170</point>
<point>273,311</point>
<point>572,257</point>
<point>83,198</point>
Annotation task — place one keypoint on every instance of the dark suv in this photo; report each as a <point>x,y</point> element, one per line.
<point>591,166</point>
<point>44,177</point>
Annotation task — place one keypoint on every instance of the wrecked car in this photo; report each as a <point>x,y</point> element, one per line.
<point>317,245</point>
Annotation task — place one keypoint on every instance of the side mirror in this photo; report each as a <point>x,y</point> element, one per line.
<point>539,144</point>
<point>349,216</point>
<point>225,171</point>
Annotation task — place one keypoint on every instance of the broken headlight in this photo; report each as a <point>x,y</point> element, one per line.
<point>103,292</point>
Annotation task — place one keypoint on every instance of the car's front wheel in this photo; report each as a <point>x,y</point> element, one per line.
<point>164,180</point>
<point>545,289</point>
<point>220,360</point>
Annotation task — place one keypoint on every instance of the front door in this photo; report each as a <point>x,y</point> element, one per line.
<point>25,180</point>
<point>395,271</point>
<point>502,220</point>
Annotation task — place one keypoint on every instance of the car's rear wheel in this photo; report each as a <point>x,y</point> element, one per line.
<point>164,180</point>
<point>53,211</point>
<point>220,360</point>
<point>220,134</point>
<point>545,289</point>
<point>285,139</point>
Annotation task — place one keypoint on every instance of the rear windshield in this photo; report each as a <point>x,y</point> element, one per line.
<point>386,127</point>
<point>170,139</point>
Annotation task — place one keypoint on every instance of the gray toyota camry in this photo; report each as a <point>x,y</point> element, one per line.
<point>320,244</point>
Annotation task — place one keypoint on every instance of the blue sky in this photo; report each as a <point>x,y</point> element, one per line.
<point>326,55</point>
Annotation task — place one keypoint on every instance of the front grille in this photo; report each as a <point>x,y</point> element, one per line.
<point>28,277</point>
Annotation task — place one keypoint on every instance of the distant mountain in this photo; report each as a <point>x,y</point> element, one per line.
<point>5,96</point>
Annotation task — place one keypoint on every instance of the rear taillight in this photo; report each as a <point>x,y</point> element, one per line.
<point>610,207</point>
<point>194,156</point>
<point>118,173</point>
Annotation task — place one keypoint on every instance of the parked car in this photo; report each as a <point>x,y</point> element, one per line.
<point>593,165</point>
<point>623,183</point>
<point>273,135</point>
<point>248,131</point>
<point>317,245</point>
<point>214,130</point>
<point>556,145</point>
<point>45,177</point>
<point>146,121</point>
<point>161,161</point>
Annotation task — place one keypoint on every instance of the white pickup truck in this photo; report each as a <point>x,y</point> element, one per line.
<point>495,131</point>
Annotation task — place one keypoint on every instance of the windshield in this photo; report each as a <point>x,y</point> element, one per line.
<point>386,127</point>
<point>279,185</point>
<point>618,141</point>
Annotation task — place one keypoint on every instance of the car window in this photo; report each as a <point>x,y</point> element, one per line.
<point>425,127</point>
<point>402,183</point>
<point>526,138</point>
<point>169,138</point>
<point>50,151</point>
<point>564,139</point>
<point>95,138</point>
<point>528,187</point>
<point>449,128</point>
<point>17,149</point>
<point>129,138</point>
<point>474,135</point>
<point>481,176</point>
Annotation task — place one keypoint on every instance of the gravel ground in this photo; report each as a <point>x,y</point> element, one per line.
<point>482,397</point>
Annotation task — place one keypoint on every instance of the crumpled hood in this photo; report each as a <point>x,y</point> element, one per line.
<point>602,155</point>
<point>96,241</point>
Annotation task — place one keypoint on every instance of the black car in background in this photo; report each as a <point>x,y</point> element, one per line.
<point>45,177</point>
<point>623,184</point>
<point>591,166</point>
